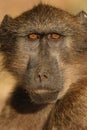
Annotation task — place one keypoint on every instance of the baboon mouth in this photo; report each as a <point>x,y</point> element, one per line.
<point>42,91</point>
<point>43,96</point>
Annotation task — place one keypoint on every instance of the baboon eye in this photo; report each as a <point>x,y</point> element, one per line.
<point>55,36</point>
<point>33,36</point>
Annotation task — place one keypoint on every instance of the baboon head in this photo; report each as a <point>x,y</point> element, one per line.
<point>46,50</point>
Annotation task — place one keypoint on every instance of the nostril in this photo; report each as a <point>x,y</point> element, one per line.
<point>45,76</point>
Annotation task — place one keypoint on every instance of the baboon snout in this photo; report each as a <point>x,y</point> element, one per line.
<point>42,76</point>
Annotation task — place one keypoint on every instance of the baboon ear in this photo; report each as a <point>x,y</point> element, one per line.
<point>7,19</point>
<point>82,16</point>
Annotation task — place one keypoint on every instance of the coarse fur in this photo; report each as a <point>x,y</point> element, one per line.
<point>43,63</point>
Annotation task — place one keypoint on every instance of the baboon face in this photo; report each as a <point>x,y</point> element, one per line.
<point>46,49</point>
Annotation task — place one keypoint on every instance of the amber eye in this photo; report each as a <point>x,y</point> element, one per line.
<point>33,36</point>
<point>55,36</point>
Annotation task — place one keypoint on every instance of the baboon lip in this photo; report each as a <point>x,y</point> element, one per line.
<point>42,91</point>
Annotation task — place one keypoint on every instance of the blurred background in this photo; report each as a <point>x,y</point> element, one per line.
<point>15,7</point>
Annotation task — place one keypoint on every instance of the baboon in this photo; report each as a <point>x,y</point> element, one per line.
<point>43,61</point>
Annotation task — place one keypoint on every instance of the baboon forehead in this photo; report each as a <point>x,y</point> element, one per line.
<point>46,17</point>
<point>43,12</point>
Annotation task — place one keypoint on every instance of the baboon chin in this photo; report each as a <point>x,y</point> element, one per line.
<point>43,65</point>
